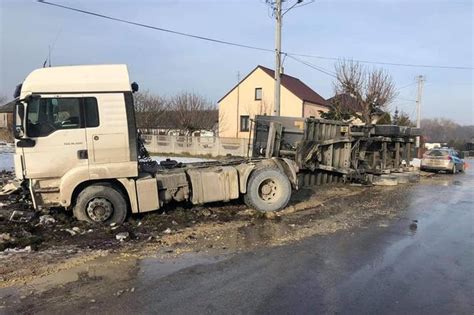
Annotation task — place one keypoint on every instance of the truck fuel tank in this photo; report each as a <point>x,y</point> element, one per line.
<point>220,183</point>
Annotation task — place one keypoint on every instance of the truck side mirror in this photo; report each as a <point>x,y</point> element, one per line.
<point>134,87</point>
<point>19,131</point>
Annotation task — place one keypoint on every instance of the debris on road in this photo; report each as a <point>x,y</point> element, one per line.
<point>26,249</point>
<point>72,232</point>
<point>10,188</point>
<point>46,219</point>
<point>5,237</point>
<point>205,212</point>
<point>385,180</point>
<point>122,236</point>
<point>21,216</point>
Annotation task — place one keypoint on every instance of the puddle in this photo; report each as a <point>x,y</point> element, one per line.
<point>109,268</point>
<point>151,269</point>
<point>263,233</point>
<point>112,268</point>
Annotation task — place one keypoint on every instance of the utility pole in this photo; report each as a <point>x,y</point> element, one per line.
<point>420,80</point>
<point>277,12</point>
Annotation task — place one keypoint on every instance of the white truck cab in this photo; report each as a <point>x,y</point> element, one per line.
<point>76,147</point>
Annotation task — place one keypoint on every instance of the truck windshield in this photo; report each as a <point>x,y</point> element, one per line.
<point>46,115</point>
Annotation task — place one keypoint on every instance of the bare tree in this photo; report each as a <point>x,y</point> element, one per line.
<point>3,99</point>
<point>193,112</point>
<point>149,109</point>
<point>373,89</point>
<point>445,130</point>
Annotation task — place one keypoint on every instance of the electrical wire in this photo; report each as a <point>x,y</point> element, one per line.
<point>214,40</point>
<point>384,63</point>
<point>405,86</point>
<point>306,3</point>
<point>322,70</point>
<point>155,27</point>
<point>405,99</point>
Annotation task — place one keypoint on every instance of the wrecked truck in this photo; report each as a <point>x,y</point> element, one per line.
<point>77,147</point>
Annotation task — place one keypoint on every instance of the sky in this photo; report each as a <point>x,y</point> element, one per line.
<point>428,32</point>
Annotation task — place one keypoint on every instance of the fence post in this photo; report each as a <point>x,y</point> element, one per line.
<point>217,147</point>
<point>153,144</point>
<point>244,146</point>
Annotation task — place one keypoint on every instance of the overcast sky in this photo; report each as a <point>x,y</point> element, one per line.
<point>431,32</point>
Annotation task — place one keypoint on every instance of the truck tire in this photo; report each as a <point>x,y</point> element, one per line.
<point>267,190</point>
<point>100,203</point>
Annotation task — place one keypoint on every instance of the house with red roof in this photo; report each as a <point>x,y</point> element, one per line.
<point>254,95</point>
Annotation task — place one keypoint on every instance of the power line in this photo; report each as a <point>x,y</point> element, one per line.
<point>405,86</point>
<point>214,40</point>
<point>155,27</point>
<point>405,99</point>
<point>322,70</point>
<point>385,63</point>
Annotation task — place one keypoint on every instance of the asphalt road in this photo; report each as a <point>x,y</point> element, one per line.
<point>387,267</point>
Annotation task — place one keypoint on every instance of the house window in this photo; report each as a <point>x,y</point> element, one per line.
<point>258,94</point>
<point>244,123</point>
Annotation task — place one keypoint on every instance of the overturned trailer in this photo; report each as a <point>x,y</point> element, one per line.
<point>328,151</point>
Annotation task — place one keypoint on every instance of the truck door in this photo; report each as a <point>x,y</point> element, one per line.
<point>108,142</point>
<point>57,125</point>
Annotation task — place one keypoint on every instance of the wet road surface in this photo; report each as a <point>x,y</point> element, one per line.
<point>421,262</point>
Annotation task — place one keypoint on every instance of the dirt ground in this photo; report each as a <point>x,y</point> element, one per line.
<point>38,248</point>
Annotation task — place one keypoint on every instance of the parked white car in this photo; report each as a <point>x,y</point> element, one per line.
<point>442,159</point>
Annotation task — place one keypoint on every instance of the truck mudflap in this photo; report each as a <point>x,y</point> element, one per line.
<point>289,168</point>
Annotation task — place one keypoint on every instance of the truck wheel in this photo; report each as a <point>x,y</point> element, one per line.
<point>100,204</point>
<point>267,190</point>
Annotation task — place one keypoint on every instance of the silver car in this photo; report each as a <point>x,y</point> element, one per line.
<point>442,159</point>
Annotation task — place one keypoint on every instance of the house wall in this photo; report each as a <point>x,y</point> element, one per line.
<point>311,109</point>
<point>244,95</point>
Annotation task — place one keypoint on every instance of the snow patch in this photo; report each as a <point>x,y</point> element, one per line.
<point>6,156</point>
<point>415,162</point>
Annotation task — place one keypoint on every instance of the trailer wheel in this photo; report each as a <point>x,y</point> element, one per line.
<point>267,190</point>
<point>100,204</point>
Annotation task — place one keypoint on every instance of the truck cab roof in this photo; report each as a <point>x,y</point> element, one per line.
<point>77,79</point>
